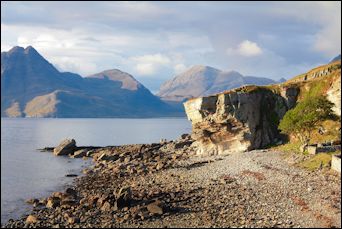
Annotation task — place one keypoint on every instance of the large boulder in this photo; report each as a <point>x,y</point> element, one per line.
<point>235,121</point>
<point>66,147</point>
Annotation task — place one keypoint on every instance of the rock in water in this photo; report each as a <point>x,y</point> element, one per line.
<point>80,153</point>
<point>68,146</point>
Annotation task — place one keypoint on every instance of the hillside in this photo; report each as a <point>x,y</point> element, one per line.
<point>33,87</point>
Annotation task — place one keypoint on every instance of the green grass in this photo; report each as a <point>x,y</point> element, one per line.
<point>290,147</point>
<point>314,163</point>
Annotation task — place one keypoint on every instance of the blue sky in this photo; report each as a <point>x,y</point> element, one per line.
<point>154,41</point>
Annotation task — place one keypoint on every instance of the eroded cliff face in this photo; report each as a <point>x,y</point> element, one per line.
<point>334,95</point>
<point>238,120</point>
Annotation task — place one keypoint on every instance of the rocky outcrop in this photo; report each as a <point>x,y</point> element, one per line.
<point>334,95</point>
<point>238,120</point>
<point>66,147</point>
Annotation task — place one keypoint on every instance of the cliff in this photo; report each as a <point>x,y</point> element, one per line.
<point>247,118</point>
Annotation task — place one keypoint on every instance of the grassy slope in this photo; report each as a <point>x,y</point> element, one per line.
<point>309,88</point>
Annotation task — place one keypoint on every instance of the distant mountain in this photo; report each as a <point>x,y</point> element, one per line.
<point>336,58</point>
<point>32,87</point>
<point>201,81</point>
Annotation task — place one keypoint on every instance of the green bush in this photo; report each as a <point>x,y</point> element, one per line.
<point>306,117</point>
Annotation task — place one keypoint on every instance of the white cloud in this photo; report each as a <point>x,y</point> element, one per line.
<point>150,64</point>
<point>246,48</point>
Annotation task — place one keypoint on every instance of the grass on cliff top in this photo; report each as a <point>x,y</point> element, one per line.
<point>289,147</point>
<point>321,160</point>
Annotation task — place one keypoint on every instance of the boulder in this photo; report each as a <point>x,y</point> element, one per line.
<point>53,202</point>
<point>239,120</point>
<point>66,147</point>
<point>31,219</point>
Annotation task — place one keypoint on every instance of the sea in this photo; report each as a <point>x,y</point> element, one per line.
<point>28,173</point>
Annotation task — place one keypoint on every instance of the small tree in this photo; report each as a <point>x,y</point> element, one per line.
<point>306,117</point>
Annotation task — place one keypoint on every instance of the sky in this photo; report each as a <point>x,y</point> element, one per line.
<point>155,41</point>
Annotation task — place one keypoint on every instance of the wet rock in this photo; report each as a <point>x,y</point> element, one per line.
<point>32,201</point>
<point>68,146</point>
<point>31,219</point>
<point>71,191</point>
<point>53,202</point>
<point>80,153</point>
<point>71,175</point>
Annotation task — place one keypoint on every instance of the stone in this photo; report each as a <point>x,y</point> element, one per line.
<point>302,148</point>
<point>312,149</point>
<point>101,157</point>
<point>123,197</point>
<point>236,121</point>
<point>53,202</point>
<point>80,153</point>
<point>71,191</point>
<point>31,219</point>
<point>336,163</point>
<point>155,208</point>
<point>32,201</point>
<point>68,203</point>
<point>73,220</point>
<point>106,206</point>
<point>68,146</point>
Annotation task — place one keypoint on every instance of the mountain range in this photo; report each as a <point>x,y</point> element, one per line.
<point>202,80</point>
<point>33,87</point>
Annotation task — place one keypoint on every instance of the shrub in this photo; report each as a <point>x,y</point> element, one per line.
<point>306,117</point>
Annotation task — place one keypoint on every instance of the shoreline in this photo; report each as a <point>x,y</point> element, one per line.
<point>164,184</point>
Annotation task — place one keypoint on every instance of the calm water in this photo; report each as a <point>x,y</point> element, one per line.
<point>27,173</point>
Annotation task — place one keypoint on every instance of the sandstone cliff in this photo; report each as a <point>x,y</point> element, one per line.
<point>247,118</point>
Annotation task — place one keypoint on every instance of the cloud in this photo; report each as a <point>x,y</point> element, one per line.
<point>246,48</point>
<point>161,39</point>
<point>150,64</point>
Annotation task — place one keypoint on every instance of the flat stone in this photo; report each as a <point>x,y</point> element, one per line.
<point>155,208</point>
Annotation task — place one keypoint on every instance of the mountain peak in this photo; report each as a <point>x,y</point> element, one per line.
<point>30,49</point>
<point>16,49</point>
<point>198,68</point>
<point>127,80</point>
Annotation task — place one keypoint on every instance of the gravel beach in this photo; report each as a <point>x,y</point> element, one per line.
<point>166,185</point>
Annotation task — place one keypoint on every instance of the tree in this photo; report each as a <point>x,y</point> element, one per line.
<point>306,117</point>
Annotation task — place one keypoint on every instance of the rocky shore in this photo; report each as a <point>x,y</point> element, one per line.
<point>166,185</point>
